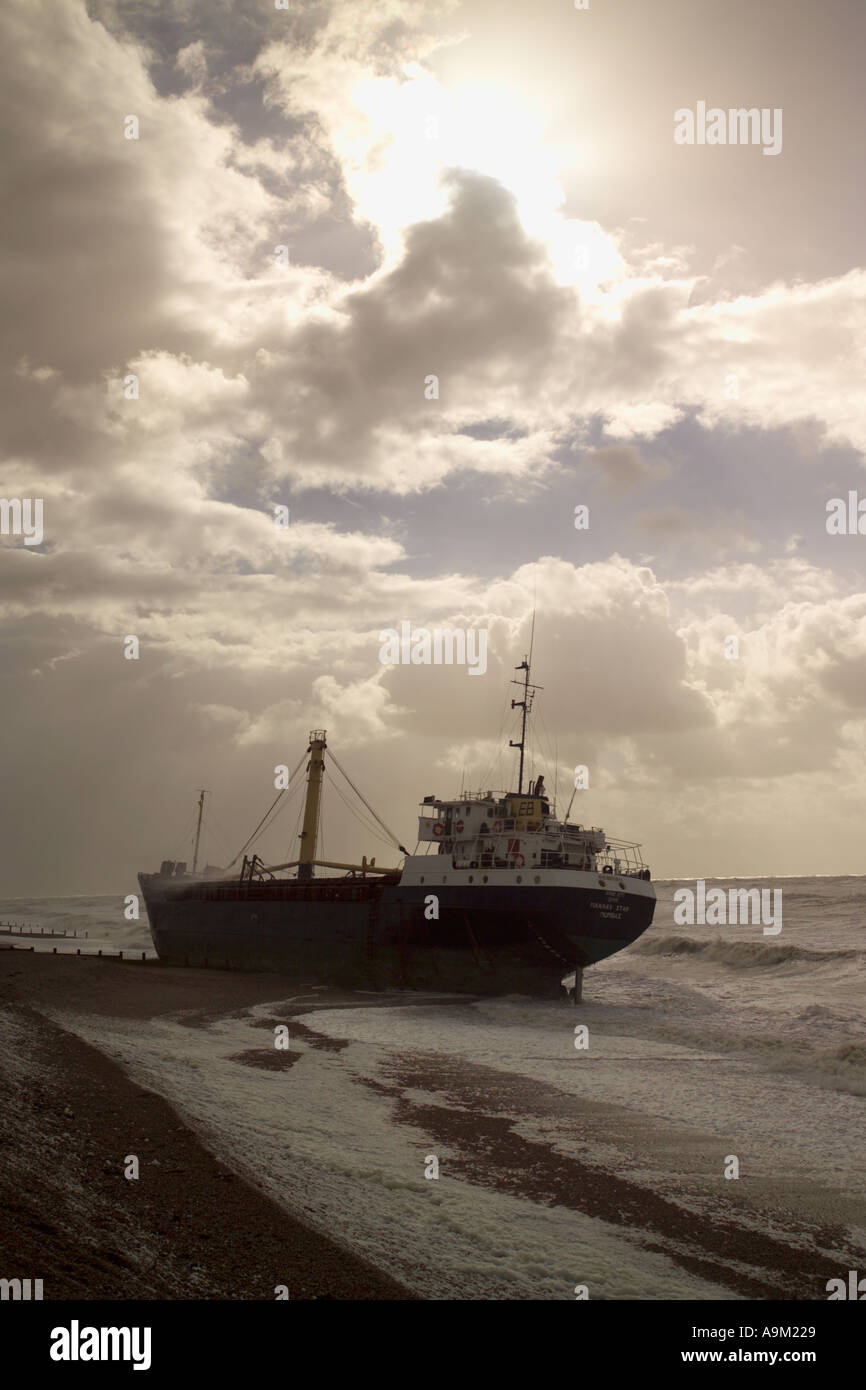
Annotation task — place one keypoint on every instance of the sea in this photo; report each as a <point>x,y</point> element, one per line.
<point>697,1045</point>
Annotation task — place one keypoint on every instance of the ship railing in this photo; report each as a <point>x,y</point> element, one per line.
<point>556,859</point>
<point>622,857</point>
<point>617,862</point>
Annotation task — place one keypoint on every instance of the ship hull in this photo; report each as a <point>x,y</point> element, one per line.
<point>490,939</point>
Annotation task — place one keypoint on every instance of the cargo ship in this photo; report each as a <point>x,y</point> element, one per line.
<point>500,896</point>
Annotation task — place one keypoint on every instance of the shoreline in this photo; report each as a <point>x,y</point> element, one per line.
<point>194,1226</point>
<point>188,1228</point>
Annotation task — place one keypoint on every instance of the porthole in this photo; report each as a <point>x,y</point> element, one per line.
<point>519,878</point>
<point>421,879</point>
<point>484,880</point>
<point>471,878</point>
<point>538,878</point>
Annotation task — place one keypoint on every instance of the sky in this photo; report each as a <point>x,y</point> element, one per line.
<point>241,242</point>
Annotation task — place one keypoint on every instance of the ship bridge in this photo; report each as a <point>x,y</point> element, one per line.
<point>490,814</point>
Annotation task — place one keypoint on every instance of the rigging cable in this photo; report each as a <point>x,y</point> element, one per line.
<point>213,833</point>
<point>285,804</point>
<point>292,792</point>
<point>186,839</point>
<point>297,833</point>
<point>279,794</point>
<point>496,762</point>
<point>370,828</point>
<point>375,816</point>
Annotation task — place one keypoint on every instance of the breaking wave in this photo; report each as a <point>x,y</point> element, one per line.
<point>91,923</point>
<point>740,955</point>
<point>842,1067</point>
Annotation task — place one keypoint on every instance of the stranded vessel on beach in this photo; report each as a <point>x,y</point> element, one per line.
<point>503,897</point>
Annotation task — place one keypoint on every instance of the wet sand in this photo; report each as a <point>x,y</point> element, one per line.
<point>188,1228</point>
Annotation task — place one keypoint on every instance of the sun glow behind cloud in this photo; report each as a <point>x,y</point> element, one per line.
<point>406,134</point>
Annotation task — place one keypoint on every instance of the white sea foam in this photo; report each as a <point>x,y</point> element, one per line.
<point>742,955</point>
<point>100,924</point>
<point>323,1144</point>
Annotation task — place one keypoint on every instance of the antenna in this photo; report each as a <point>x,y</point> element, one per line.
<point>525,704</point>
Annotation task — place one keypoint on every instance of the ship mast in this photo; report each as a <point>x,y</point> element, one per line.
<point>202,795</point>
<point>309,834</point>
<point>526,706</point>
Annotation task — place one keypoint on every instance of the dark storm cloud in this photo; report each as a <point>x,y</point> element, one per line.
<point>472,302</point>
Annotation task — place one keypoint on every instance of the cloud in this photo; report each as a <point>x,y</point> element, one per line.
<point>168,256</point>
<point>235,671</point>
<point>623,468</point>
<point>711,532</point>
<point>261,383</point>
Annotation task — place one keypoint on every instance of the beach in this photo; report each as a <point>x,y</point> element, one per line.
<point>188,1228</point>
<point>351,1145</point>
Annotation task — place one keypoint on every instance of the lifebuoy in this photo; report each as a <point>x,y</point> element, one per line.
<point>607,869</point>
<point>438,830</point>
<point>518,861</point>
<point>497,827</point>
<point>459,827</point>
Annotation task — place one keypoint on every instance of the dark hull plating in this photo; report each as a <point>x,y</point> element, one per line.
<point>496,939</point>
